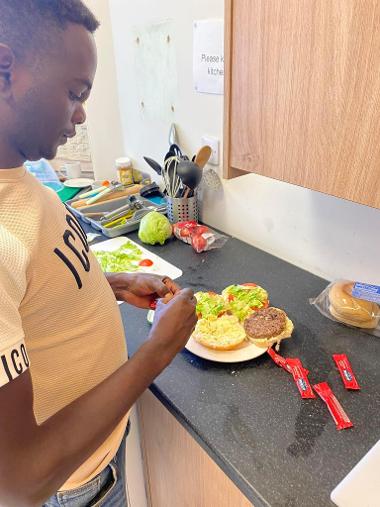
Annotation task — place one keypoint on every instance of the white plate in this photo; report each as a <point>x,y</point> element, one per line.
<point>245,352</point>
<point>159,267</point>
<point>79,182</point>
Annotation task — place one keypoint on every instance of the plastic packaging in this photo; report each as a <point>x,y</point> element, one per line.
<point>45,173</point>
<point>354,304</point>
<point>336,410</point>
<point>346,372</point>
<point>201,237</point>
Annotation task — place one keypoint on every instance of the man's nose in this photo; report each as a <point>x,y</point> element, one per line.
<point>79,115</point>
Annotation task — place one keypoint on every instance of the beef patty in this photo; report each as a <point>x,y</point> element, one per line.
<point>265,323</point>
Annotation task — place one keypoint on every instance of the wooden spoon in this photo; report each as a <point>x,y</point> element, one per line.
<point>203,156</point>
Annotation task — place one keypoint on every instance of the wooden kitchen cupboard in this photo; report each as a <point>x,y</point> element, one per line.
<point>179,473</point>
<point>302,101</point>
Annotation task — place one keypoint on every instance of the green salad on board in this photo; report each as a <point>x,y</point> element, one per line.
<point>125,258</point>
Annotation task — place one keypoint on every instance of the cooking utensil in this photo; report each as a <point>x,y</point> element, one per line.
<point>132,214</point>
<point>203,156</point>
<point>118,221</point>
<point>123,192</point>
<point>154,165</point>
<point>171,180</point>
<point>175,150</point>
<point>121,212</point>
<point>99,214</point>
<point>173,137</point>
<point>190,175</point>
<point>92,192</point>
<point>211,179</point>
<point>101,194</point>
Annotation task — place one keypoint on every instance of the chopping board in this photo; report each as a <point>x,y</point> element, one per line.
<point>361,486</point>
<point>159,267</point>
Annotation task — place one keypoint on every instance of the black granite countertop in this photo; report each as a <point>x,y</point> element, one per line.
<point>278,449</point>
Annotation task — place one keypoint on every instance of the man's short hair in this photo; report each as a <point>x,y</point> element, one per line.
<point>30,26</point>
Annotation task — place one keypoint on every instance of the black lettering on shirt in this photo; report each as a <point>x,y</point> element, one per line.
<point>24,355</point>
<point>82,256</point>
<point>75,225</point>
<point>71,267</point>
<point>16,365</point>
<point>13,362</point>
<point>70,237</point>
<point>6,367</point>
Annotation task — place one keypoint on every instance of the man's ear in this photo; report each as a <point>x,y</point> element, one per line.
<point>7,61</point>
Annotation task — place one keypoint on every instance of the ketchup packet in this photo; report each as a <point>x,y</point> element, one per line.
<point>336,410</point>
<point>279,360</point>
<point>300,378</point>
<point>201,237</point>
<point>153,304</point>
<point>346,372</point>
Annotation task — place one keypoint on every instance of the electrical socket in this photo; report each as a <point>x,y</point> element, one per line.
<point>213,142</point>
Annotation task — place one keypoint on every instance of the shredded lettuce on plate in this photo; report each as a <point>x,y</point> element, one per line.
<point>209,304</point>
<point>125,258</point>
<point>242,299</point>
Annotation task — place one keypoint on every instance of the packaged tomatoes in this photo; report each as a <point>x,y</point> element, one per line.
<point>201,237</point>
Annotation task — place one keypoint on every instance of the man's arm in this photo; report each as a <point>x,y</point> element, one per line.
<point>36,460</point>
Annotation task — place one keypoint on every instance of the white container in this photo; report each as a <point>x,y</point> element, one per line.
<point>73,170</point>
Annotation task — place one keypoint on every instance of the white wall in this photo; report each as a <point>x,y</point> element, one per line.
<point>325,235</point>
<point>103,116</point>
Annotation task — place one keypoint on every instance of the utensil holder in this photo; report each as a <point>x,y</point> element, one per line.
<point>181,209</point>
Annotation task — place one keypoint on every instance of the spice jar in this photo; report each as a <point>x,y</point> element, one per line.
<point>124,170</point>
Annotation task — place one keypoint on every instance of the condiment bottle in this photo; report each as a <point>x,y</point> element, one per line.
<point>124,170</point>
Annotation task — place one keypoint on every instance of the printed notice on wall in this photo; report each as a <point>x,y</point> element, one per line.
<point>208,58</point>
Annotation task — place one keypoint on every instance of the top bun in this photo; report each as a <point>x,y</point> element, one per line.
<point>346,308</point>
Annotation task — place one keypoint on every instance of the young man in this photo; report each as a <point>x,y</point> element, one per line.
<point>65,385</point>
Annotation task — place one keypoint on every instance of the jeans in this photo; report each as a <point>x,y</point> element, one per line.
<point>108,489</point>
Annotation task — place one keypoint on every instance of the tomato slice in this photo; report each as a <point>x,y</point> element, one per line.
<point>265,305</point>
<point>249,284</point>
<point>146,263</point>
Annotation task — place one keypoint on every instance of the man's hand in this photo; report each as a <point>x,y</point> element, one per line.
<point>140,289</point>
<point>174,322</point>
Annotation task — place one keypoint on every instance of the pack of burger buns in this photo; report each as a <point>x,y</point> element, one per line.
<point>355,304</point>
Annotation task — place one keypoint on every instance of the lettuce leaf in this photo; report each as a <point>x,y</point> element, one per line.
<point>243,299</point>
<point>209,304</point>
<point>125,258</point>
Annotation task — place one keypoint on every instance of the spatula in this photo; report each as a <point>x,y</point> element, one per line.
<point>203,156</point>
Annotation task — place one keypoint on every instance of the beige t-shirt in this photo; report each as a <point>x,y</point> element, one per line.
<point>58,314</point>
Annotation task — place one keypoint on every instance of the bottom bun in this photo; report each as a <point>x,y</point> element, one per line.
<point>222,333</point>
<point>269,342</point>
<point>368,324</point>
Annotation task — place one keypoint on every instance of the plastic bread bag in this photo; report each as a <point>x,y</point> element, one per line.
<point>354,304</point>
<point>201,237</point>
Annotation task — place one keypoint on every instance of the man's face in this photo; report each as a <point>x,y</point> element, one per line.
<point>47,104</point>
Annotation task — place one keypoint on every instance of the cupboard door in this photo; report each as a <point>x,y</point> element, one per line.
<point>179,473</point>
<point>303,94</point>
